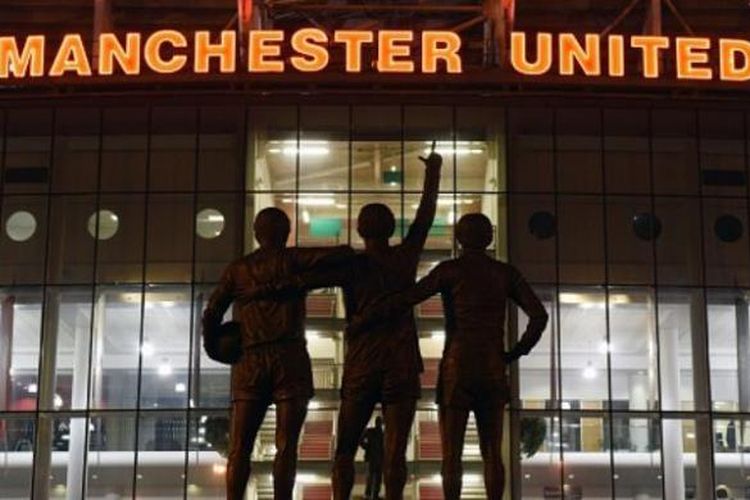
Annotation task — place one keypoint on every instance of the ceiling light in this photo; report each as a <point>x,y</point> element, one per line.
<point>219,469</point>
<point>306,216</point>
<point>147,349</point>
<point>589,373</point>
<point>32,388</point>
<point>312,200</point>
<point>164,370</point>
<point>180,387</point>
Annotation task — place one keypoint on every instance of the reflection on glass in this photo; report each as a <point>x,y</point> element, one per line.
<point>16,455</point>
<point>731,455</point>
<point>636,444</point>
<point>111,455</point>
<point>162,439</point>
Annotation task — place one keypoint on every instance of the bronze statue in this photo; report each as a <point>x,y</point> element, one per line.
<point>372,443</point>
<point>382,364</point>
<point>273,364</point>
<point>474,288</point>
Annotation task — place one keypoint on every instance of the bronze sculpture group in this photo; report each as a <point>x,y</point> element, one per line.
<point>270,363</point>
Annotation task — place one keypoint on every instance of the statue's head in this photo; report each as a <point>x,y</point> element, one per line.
<point>271,227</point>
<point>376,222</point>
<point>474,231</point>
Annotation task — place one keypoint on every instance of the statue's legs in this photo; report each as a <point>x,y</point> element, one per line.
<point>353,417</point>
<point>290,416</point>
<point>398,418</point>
<point>247,417</point>
<point>490,428</point>
<point>452,430</point>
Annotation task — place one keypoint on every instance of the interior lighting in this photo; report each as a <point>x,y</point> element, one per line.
<point>589,373</point>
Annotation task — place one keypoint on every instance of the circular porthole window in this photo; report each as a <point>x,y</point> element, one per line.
<point>543,225</point>
<point>20,226</point>
<point>109,223</point>
<point>646,226</point>
<point>728,228</point>
<point>209,223</point>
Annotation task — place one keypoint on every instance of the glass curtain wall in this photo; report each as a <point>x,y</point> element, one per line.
<point>631,224</point>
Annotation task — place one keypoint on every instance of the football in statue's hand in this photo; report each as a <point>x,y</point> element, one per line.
<point>225,343</point>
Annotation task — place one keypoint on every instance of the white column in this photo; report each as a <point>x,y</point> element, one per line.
<point>78,401</point>
<point>639,400</point>
<point>674,472</point>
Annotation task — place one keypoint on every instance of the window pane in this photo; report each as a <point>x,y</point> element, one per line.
<point>480,151</point>
<point>207,452</point>
<point>27,151</point>
<point>377,163</point>
<point>581,243</point>
<point>422,125</point>
<point>124,145</point>
<point>730,455</point>
<point>71,244</point>
<point>170,253</point>
<point>579,144</point>
<point>583,334</point>
<point>220,150</point>
<point>637,456</point>
<point>728,336</point>
<point>322,219</point>
<point>219,221</point>
<point>172,155</point>
<point>23,239</point>
<point>722,153</point>
<point>161,440</point>
<point>678,248</point>
<point>632,349</point>
<point>166,323</point>
<point>538,372</point>
<point>20,327</point>
<point>64,380</point>
<point>725,241</point>
<point>532,229</point>
<point>119,256</point>
<point>323,149</point>
<point>687,458</point>
<point>682,350</point>
<point>111,455</point>
<point>630,246</point>
<point>627,166</point>
<point>16,453</point>
<point>115,347</point>
<point>272,144</point>
<point>675,152</point>
<point>59,458</point>
<point>76,155</point>
<point>587,471</point>
<point>530,147</point>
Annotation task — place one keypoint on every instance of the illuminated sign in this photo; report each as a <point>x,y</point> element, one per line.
<point>310,50</point>
<point>169,51</point>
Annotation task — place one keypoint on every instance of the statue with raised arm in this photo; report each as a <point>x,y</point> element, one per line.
<point>474,289</point>
<point>382,364</point>
<point>271,363</point>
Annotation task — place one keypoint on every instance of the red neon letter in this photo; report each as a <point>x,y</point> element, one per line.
<point>729,50</point>
<point>153,46</point>
<point>389,50</point>
<point>71,56</point>
<point>260,48</point>
<point>307,42</point>
<point>353,41</point>
<point>30,61</point>
<point>443,45</point>
<point>518,59</point>
<point>650,45</point>
<point>128,58</point>
<point>688,57</point>
<point>225,50</point>
<point>571,52</point>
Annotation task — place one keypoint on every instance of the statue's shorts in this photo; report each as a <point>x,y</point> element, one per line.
<point>386,386</point>
<point>273,372</point>
<point>459,387</point>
